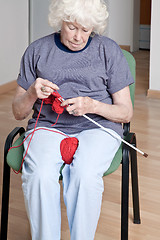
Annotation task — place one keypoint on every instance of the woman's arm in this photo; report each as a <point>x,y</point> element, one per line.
<point>24,100</point>
<point>120,111</point>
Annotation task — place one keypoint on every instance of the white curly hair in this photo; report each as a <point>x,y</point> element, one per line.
<point>88,13</point>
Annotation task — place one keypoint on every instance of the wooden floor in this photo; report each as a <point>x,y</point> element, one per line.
<point>146,124</point>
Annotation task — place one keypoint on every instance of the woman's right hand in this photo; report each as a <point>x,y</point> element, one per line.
<point>24,100</point>
<point>42,88</point>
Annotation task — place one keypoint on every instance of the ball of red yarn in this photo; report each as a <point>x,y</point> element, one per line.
<point>68,148</point>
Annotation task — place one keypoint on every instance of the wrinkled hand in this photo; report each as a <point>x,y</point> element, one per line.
<point>42,88</point>
<point>79,106</point>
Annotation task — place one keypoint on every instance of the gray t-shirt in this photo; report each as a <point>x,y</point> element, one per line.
<point>97,71</point>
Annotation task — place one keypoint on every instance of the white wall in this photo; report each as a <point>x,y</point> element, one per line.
<point>13,37</point>
<point>119,25</point>
<point>123,22</point>
<point>155,47</point>
<point>39,26</point>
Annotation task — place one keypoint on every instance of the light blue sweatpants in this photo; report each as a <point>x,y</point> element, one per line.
<point>82,183</point>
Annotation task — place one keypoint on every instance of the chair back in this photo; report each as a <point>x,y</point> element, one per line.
<point>118,156</point>
<point>132,66</point>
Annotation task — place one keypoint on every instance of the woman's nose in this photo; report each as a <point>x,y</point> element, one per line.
<point>77,35</point>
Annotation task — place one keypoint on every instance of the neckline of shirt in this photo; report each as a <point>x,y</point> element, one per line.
<point>62,47</point>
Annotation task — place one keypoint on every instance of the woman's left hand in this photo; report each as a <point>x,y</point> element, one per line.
<point>79,106</point>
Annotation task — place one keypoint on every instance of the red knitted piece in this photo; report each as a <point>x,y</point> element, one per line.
<point>68,145</point>
<point>68,148</point>
<point>55,100</point>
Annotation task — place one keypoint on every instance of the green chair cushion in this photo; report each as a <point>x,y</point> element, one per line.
<point>116,162</point>
<point>15,155</point>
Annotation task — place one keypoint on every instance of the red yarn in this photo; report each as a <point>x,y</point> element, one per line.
<point>68,148</point>
<point>55,100</point>
<point>68,145</point>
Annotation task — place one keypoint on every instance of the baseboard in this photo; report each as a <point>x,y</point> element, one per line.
<point>125,47</point>
<point>8,87</point>
<point>153,94</point>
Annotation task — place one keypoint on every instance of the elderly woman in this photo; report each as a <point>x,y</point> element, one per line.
<point>91,74</point>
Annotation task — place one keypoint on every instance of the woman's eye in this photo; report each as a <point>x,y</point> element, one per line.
<point>71,27</point>
<point>85,30</point>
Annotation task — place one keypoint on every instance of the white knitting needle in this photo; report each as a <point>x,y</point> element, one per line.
<point>111,133</point>
<point>116,136</point>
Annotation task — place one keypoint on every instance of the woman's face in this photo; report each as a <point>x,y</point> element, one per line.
<point>74,36</point>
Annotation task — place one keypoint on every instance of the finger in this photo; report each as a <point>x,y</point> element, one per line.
<point>73,112</point>
<point>45,89</point>
<point>68,102</point>
<point>40,82</point>
<point>49,84</point>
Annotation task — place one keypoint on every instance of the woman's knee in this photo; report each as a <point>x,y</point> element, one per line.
<point>86,176</point>
<point>42,173</point>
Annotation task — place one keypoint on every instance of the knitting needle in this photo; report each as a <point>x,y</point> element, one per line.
<point>116,136</point>
<point>111,133</point>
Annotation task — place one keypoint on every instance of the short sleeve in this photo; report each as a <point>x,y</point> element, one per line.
<point>27,73</point>
<point>119,75</point>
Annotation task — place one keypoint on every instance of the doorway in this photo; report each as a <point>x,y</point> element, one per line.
<point>145,24</point>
